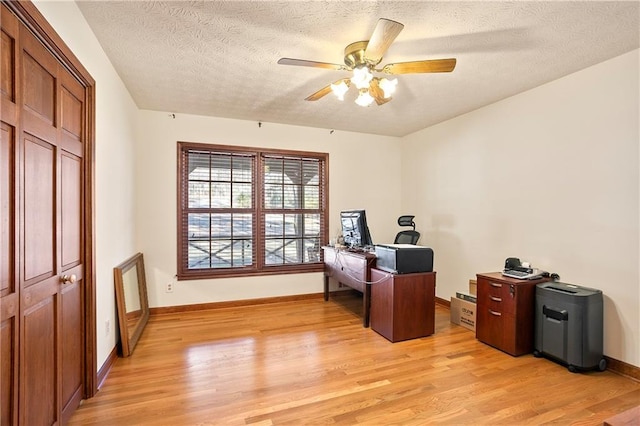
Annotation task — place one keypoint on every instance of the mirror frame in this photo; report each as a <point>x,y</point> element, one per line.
<point>129,338</point>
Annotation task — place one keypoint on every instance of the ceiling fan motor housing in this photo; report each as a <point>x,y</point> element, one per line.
<point>354,55</point>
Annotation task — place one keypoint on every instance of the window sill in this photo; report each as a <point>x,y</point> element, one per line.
<point>275,270</point>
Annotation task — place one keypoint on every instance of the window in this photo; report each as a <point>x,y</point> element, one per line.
<point>249,211</point>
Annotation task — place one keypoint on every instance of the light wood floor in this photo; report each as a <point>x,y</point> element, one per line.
<point>312,362</point>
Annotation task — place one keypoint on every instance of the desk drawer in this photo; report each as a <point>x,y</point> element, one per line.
<point>347,268</point>
<point>497,296</point>
<point>497,329</point>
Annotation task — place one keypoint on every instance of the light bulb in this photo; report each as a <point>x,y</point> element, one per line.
<point>340,89</point>
<point>361,77</point>
<point>364,98</point>
<point>388,86</point>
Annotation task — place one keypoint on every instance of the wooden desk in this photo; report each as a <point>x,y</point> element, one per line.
<point>403,306</point>
<point>505,313</point>
<point>352,269</point>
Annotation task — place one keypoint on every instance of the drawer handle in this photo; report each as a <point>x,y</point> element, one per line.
<point>498,314</point>
<point>497,285</point>
<point>495,299</point>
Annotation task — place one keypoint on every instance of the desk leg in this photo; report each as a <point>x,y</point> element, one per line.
<point>326,288</point>
<point>366,300</point>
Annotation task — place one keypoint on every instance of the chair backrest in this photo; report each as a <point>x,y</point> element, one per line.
<point>407,237</point>
<point>407,220</point>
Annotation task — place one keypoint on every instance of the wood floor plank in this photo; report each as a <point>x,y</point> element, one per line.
<point>312,362</point>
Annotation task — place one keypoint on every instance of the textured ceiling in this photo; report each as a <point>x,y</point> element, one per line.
<point>219,58</point>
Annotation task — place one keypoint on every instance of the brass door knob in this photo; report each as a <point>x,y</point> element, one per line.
<point>66,279</point>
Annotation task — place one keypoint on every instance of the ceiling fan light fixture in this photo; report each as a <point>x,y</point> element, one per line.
<point>362,77</point>
<point>388,86</point>
<point>340,89</point>
<point>364,99</point>
<point>362,58</point>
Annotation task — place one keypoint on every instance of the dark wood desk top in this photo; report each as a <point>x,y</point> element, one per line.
<point>355,252</point>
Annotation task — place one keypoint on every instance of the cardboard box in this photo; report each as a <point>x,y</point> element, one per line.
<point>473,287</point>
<point>466,296</point>
<point>463,313</point>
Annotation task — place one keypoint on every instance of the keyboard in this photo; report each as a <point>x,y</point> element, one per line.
<point>356,249</point>
<point>524,274</point>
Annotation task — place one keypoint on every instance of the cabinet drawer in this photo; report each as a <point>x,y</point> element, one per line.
<point>496,329</point>
<point>498,296</point>
<point>489,326</point>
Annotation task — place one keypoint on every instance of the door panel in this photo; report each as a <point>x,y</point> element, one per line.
<point>7,208</point>
<point>71,342</point>
<point>71,117</point>
<point>39,95</point>
<point>7,55</point>
<point>38,385</point>
<point>71,170</point>
<point>39,69</point>
<point>7,67</point>
<point>71,112</point>
<point>8,364</point>
<point>39,208</point>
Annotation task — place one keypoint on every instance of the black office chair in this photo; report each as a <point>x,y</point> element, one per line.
<point>407,237</point>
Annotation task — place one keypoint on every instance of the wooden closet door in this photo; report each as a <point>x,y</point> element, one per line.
<point>51,266</point>
<point>9,319</point>
<point>47,295</point>
<point>71,242</point>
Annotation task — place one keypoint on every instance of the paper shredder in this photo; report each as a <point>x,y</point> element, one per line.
<point>568,325</point>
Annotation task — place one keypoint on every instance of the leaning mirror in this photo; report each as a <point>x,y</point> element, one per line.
<point>131,298</point>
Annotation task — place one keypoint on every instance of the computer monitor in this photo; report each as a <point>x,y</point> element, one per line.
<point>354,228</point>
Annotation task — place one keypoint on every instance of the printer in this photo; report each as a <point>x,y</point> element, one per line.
<point>404,258</point>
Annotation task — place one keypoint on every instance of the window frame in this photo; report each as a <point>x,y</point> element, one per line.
<point>259,155</point>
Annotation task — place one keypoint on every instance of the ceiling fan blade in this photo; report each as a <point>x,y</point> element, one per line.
<point>325,90</point>
<point>381,101</point>
<point>383,35</point>
<point>378,93</point>
<point>435,65</point>
<point>313,64</point>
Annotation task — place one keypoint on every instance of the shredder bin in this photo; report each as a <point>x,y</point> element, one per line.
<point>568,325</point>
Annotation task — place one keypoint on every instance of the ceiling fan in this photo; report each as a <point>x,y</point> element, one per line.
<point>362,57</point>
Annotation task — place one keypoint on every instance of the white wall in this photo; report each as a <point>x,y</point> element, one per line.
<point>576,141</point>
<point>116,116</point>
<point>549,176</point>
<point>364,172</point>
